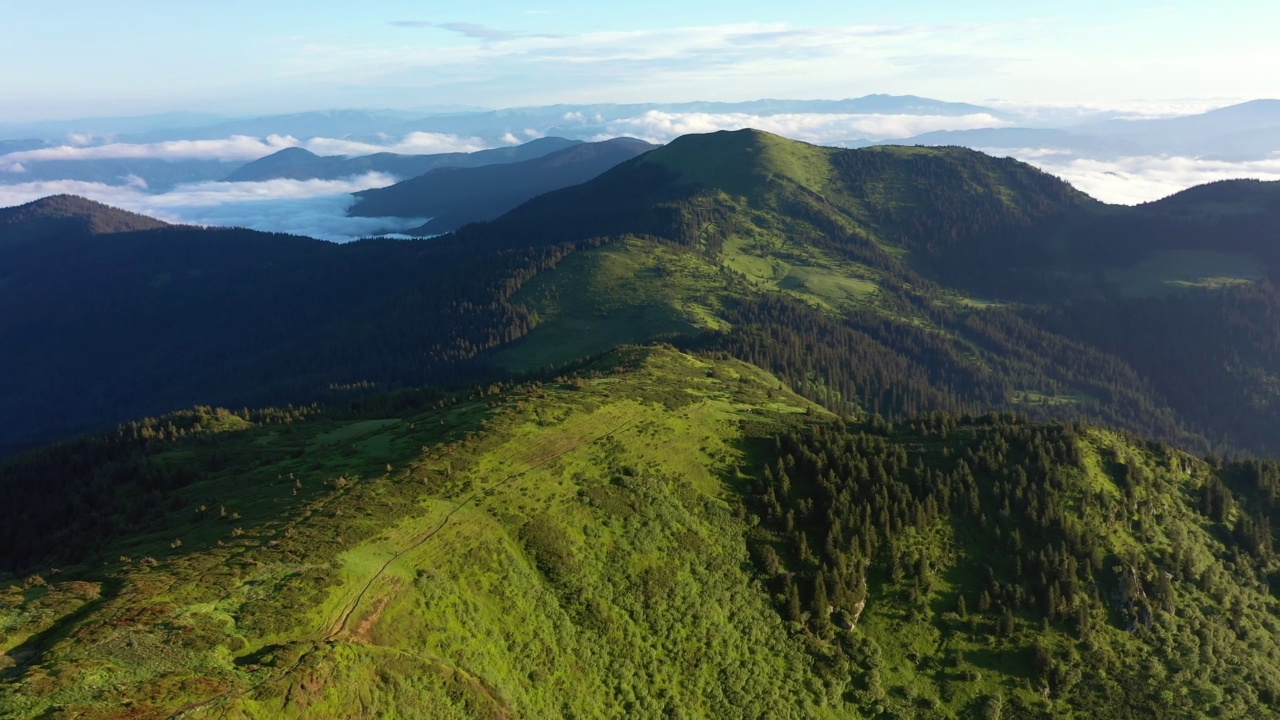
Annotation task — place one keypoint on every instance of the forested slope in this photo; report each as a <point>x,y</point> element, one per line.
<point>652,535</point>
<point>891,281</point>
<point>454,196</point>
<point>301,164</point>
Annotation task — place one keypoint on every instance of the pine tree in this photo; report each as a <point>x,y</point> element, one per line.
<point>821,607</point>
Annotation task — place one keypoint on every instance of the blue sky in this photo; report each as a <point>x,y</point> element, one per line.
<point>65,58</point>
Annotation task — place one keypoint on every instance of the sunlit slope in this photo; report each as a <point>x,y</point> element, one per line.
<point>901,280</point>
<point>658,534</point>
<point>761,214</point>
<point>881,280</point>
<point>816,263</point>
<point>571,549</point>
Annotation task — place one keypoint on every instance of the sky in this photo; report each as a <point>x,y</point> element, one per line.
<point>72,58</point>
<point>86,58</point>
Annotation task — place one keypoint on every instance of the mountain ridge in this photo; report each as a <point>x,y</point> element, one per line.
<point>455,196</point>
<point>924,263</point>
<point>302,164</point>
<point>740,425</point>
<point>501,543</point>
<point>58,213</point>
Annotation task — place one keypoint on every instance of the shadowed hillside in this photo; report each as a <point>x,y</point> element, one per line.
<point>62,215</point>
<point>652,534</point>
<point>891,281</point>
<point>301,164</point>
<point>455,196</point>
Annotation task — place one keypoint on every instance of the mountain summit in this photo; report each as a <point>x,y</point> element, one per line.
<point>301,164</point>
<point>739,426</point>
<point>890,280</point>
<point>59,214</point>
<point>455,196</point>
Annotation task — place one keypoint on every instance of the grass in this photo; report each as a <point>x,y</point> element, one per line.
<point>1179,270</point>
<point>637,290</point>
<point>587,522</point>
<point>741,162</point>
<point>572,549</point>
<point>624,293</point>
<point>1031,397</point>
<point>803,273</point>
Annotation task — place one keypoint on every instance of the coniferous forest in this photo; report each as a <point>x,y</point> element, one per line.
<point>741,427</point>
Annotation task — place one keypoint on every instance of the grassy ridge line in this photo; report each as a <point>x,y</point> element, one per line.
<point>466,547</point>
<point>341,626</point>
<point>638,384</point>
<point>600,559</point>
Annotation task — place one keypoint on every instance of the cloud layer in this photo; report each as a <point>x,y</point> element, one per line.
<point>316,208</point>
<point>1133,180</point>
<point>246,148</point>
<point>820,128</point>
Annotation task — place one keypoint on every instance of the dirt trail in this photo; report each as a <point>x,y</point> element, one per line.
<point>339,626</point>
<point>361,634</point>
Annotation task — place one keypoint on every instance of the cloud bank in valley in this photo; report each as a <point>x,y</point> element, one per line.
<point>1133,180</point>
<point>246,148</point>
<point>819,128</point>
<point>316,208</point>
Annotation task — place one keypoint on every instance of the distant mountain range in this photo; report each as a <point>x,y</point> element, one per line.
<point>1248,131</point>
<point>301,164</point>
<point>1243,132</point>
<point>891,240</point>
<point>741,426</point>
<point>148,174</point>
<point>577,121</point>
<point>455,196</point>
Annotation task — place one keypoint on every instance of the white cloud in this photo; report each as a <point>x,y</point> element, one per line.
<point>316,208</point>
<point>1062,114</point>
<point>321,217</point>
<point>742,60</point>
<point>238,147</point>
<point>1133,180</point>
<point>135,182</point>
<point>659,127</point>
<point>244,147</point>
<point>415,143</point>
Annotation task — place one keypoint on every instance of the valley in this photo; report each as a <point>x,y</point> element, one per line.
<point>645,534</point>
<point>740,426</point>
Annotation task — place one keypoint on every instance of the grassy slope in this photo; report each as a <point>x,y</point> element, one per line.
<point>639,289</point>
<point>868,233</point>
<point>918,653</point>
<point>625,292</point>
<point>570,560</point>
<point>580,549</point>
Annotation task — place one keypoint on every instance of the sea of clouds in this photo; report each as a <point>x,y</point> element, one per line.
<point>1134,180</point>
<point>318,207</point>
<point>243,147</point>
<point>657,126</point>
